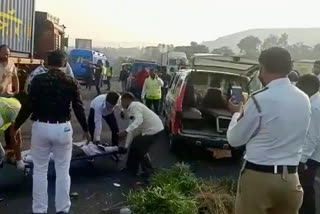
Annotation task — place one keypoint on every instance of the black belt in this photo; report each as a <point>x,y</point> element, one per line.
<point>55,121</point>
<point>270,169</point>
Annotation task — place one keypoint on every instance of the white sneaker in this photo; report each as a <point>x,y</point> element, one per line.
<point>20,165</point>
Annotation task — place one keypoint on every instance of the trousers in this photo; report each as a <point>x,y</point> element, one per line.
<point>153,103</point>
<point>138,153</point>
<point>55,138</point>
<point>307,179</point>
<point>111,121</point>
<point>123,85</point>
<point>267,193</point>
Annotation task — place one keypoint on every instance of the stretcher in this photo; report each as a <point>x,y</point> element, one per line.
<point>81,152</point>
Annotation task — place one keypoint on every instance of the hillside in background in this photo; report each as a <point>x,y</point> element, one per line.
<point>308,36</point>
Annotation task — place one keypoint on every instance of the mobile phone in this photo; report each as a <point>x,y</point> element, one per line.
<point>236,93</point>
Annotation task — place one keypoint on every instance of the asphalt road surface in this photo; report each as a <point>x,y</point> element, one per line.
<point>94,182</point>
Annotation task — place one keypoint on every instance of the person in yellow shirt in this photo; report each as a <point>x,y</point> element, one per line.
<point>151,91</point>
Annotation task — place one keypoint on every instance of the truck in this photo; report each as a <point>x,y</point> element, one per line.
<point>172,60</point>
<point>84,44</point>
<point>29,34</point>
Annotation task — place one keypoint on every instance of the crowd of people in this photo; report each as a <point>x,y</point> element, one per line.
<point>278,125</point>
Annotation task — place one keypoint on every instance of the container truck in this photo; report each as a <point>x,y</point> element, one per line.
<point>29,34</point>
<point>84,44</point>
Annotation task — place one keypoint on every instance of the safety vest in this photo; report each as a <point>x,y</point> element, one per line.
<point>153,89</point>
<point>9,109</point>
<point>109,72</point>
<point>104,71</point>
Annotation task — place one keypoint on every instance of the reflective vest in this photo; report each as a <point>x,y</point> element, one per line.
<point>9,109</point>
<point>104,71</point>
<point>109,72</point>
<point>153,89</point>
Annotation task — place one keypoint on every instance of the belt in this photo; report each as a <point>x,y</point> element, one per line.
<point>55,121</point>
<point>270,169</point>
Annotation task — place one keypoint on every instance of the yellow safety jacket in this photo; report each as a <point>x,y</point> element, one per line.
<point>104,71</point>
<point>109,72</point>
<point>9,109</point>
<point>153,89</point>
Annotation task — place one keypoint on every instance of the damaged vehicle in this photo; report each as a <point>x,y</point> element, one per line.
<point>196,111</point>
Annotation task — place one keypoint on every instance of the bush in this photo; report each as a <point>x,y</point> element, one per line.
<point>161,200</point>
<point>178,191</point>
<point>178,177</point>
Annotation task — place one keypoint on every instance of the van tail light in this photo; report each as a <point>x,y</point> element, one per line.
<point>178,108</point>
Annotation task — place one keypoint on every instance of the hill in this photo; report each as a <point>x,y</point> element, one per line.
<point>308,36</point>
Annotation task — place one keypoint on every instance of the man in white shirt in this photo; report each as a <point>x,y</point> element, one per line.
<point>102,108</point>
<point>310,160</point>
<point>146,127</point>
<point>272,125</point>
<point>9,82</point>
<point>151,91</point>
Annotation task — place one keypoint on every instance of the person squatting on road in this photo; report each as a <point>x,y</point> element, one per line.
<point>310,160</point>
<point>144,129</point>
<point>102,107</point>
<point>151,91</point>
<point>51,95</point>
<point>273,126</point>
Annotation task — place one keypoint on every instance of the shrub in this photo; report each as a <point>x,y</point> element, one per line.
<point>161,200</point>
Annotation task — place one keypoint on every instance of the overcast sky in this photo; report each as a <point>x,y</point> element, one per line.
<point>136,22</point>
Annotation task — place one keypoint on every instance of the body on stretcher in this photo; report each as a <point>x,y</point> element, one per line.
<point>80,151</point>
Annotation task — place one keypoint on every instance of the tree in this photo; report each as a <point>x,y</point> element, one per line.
<point>193,43</point>
<point>271,41</point>
<point>283,40</point>
<point>300,51</point>
<point>224,51</point>
<point>249,46</point>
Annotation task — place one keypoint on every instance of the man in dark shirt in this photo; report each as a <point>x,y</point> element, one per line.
<point>98,75</point>
<point>51,96</point>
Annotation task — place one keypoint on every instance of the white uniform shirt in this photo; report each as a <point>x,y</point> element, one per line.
<point>143,120</point>
<point>100,109</point>
<point>40,70</point>
<point>8,71</point>
<point>311,149</point>
<point>276,135</point>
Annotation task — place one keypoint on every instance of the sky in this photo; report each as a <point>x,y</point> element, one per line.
<point>144,22</point>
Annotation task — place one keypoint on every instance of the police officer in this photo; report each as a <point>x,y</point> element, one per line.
<point>151,91</point>
<point>310,160</point>
<point>273,127</point>
<point>51,95</point>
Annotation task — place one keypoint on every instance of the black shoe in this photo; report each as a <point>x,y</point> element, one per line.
<point>62,213</point>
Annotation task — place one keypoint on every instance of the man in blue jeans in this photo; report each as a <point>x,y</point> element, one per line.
<point>102,108</point>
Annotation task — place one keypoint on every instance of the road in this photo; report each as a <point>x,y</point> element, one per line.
<point>94,181</point>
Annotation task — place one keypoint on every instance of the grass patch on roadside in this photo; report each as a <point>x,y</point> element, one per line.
<point>178,191</point>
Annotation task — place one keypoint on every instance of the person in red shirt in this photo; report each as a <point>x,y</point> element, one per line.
<point>141,77</point>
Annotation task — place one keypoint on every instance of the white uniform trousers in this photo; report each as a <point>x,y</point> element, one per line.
<point>55,138</point>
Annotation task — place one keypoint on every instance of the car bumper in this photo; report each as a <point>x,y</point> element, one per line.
<point>207,142</point>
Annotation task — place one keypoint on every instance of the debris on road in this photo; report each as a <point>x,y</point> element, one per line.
<point>74,195</point>
<point>116,185</point>
<point>91,196</point>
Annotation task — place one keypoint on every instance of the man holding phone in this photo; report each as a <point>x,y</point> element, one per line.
<point>151,91</point>
<point>272,125</point>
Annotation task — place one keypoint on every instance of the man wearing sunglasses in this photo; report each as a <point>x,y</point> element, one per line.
<point>102,108</point>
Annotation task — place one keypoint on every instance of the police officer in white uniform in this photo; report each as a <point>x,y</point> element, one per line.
<point>52,94</point>
<point>310,160</point>
<point>273,127</point>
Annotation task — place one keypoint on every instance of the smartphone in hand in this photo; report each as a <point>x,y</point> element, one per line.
<point>236,93</point>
